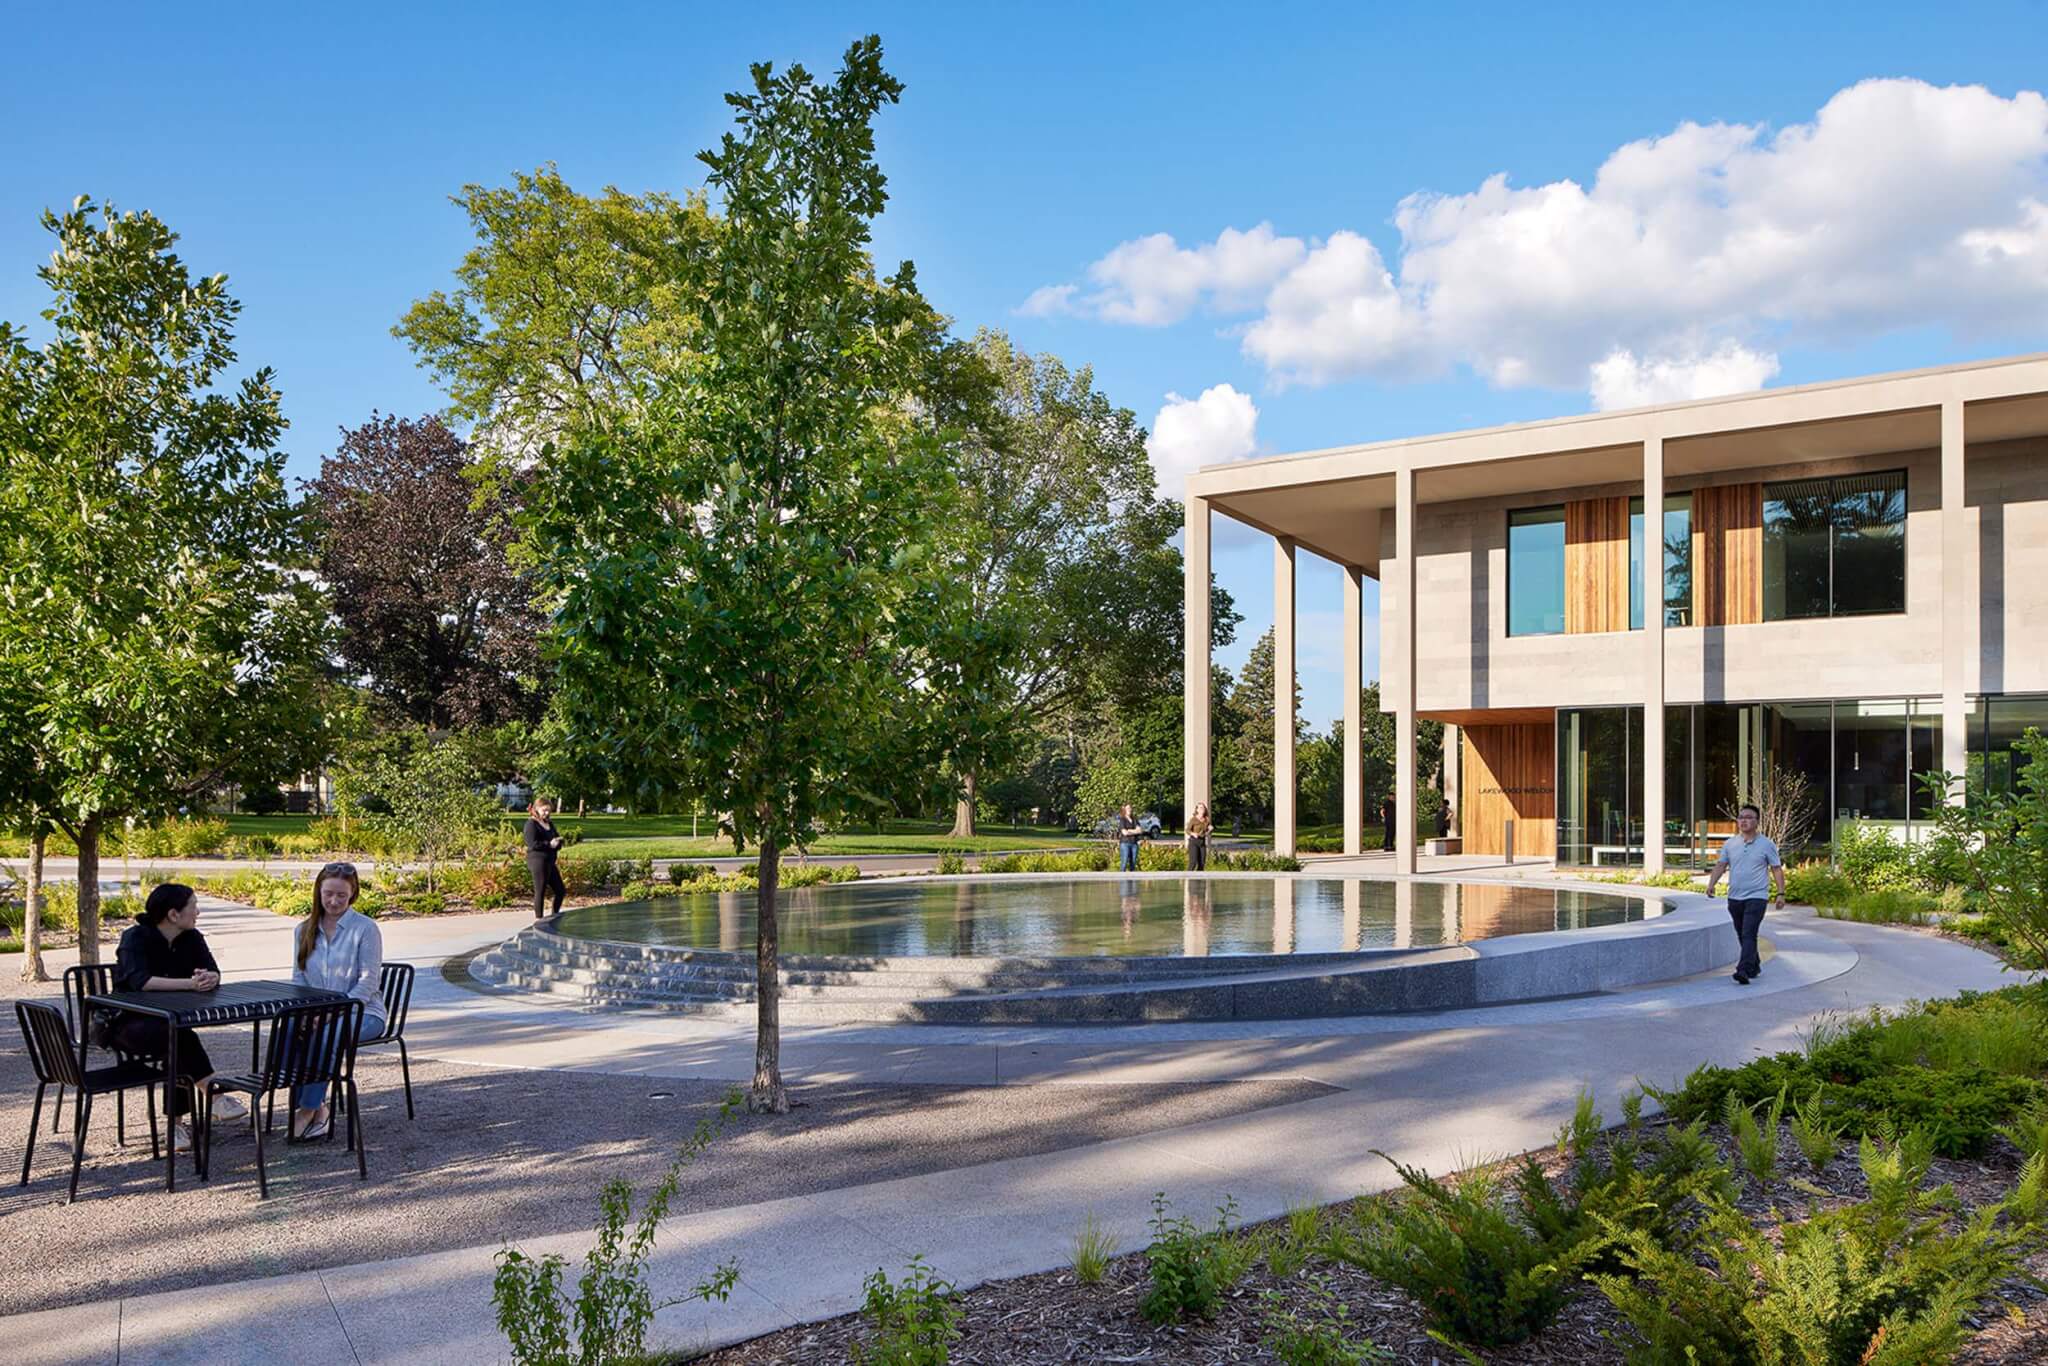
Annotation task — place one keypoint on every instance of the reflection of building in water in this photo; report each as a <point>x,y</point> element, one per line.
<point>1195,915</point>
<point>1283,915</point>
<point>1453,895</point>
<point>729,938</point>
<point>1487,911</point>
<point>1404,914</point>
<point>1354,898</point>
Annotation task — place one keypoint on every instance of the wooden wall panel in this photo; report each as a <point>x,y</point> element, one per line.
<point>1510,771</point>
<point>1596,565</point>
<point>1728,555</point>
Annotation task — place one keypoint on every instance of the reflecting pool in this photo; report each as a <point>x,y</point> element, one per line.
<point>1138,917</point>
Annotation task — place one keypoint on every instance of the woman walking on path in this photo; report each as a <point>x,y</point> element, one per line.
<point>543,846</point>
<point>164,951</point>
<point>338,948</point>
<point>1199,826</point>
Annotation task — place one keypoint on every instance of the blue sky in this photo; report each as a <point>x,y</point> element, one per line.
<point>311,155</point>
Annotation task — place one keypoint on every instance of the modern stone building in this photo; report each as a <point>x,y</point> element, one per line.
<point>1846,580</point>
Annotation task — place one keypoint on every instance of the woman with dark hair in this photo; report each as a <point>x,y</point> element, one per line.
<point>543,845</point>
<point>338,948</point>
<point>164,951</point>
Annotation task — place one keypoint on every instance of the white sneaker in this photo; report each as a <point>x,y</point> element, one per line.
<point>229,1107</point>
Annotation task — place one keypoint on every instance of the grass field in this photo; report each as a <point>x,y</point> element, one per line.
<point>608,836</point>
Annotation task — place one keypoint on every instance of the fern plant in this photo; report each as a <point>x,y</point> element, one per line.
<point>1483,1276</point>
<point>1755,1143</point>
<point>1818,1136</point>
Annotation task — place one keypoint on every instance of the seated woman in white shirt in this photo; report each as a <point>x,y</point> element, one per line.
<point>341,949</point>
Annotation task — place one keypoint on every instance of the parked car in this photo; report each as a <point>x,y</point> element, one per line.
<point>1106,828</point>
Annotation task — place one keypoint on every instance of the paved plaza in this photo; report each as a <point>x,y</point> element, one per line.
<point>982,1149</point>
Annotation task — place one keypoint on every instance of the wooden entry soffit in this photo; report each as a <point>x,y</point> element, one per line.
<point>1497,716</point>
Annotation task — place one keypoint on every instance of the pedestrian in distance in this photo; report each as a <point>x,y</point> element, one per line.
<point>1753,865</point>
<point>1199,826</point>
<point>1127,833</point>
<point>543,850</point>
<point>1387,823</point>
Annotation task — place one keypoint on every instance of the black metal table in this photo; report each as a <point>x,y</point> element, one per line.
<point>230,1003</point>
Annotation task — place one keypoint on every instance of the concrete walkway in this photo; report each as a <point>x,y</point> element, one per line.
<point>1438,1091</point>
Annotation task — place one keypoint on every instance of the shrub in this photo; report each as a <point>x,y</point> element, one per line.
<point>1162,858</point>
<point>1093,1247</point>
<point>2029,1130</point>
<point>1890,906</point>
<point>637,891</point>
<point>1756,1143</point>
<point>813,874</point>
<point>1482,1276</point>
<point>1320,1335</point>
<point>1819,885</point>
<point>1191,1266</point>
<point>1885,1282</point>
<point>417,903</point>
<point>1818,1136</point>
<point>1871,860</point>
<point>608,1319</point>
<point>914,1323</point>
<point>682,871</point>
<point>950,863</point>
<point>1255,861</point>
<point>60,907</point>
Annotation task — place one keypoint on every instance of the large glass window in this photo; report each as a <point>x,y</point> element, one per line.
<point>1677,558</point>
<point>1872,761</point>
<point>2006,719</point>
<point>1600,810</point>
<point>1536,571</point>
<point>1835,547</point>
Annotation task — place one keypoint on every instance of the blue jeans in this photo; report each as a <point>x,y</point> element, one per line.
<point>1127,856</point>
<point>1748,915</point>
<point>313,1095</point>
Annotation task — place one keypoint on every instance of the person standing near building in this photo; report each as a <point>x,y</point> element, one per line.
<point>543,847</point>
<point>1387,823</point>
<point>1753,865</point>
<point>1199,826</point>
<point>1127,832</point>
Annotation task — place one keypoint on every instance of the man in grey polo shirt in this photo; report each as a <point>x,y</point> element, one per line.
<point>1752,864</point>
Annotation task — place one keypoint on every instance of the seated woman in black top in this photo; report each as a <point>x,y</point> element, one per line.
<point>164,951</point>
<point>543,843</point>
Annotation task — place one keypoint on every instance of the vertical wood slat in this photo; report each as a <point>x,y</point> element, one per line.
<point>1596,565</point>
<point>1510,772</point>
<point>1728,555</point>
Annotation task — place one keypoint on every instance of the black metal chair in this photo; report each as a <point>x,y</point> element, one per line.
<point>310,1043</point>
<point>94,979</point>
<point>53,1053</point>
<point>396,984</point>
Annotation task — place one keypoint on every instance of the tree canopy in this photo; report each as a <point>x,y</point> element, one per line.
<point>157,629</point>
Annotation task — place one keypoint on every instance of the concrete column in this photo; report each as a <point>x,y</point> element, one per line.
<point>1194,786</point>
<point>1354,733</point>
<point>1453,770</point>
<point>1653,655</point>
<point>1283,696</point>
<point>1955,599</point>
<point>1404,685</point>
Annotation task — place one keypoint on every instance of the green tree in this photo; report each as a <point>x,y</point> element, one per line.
<point>436,808</point>
<point>1377,742</point>
<point>154,625</point>
<point>750,584</point>
<point>568,312</point>
<point>1996,841</point>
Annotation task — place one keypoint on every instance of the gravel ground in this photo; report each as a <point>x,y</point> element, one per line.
<point>502,1154</point>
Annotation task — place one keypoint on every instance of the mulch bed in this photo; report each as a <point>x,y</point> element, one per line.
<point>1049,1318</point>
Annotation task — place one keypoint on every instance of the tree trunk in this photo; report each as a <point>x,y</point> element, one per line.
<point>963,810</point>
<point>768,1096</point>
<point>89,891</point>
<point>32,916</point>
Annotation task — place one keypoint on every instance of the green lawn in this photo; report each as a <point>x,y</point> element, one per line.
<point>607,836</point>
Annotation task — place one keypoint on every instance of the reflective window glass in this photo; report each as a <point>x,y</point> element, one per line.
<point>1536,571</point>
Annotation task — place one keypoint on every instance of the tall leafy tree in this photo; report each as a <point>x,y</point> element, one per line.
<point>156,628</point>
<point>567,313</point>
<point>433,619</point>
<point>752,583</point>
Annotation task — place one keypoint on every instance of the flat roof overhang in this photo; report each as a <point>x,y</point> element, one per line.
<point>1329,501</point>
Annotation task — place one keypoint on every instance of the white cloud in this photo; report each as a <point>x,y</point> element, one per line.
<point>1685,266</point>
<point>1049,301</point>
<point>1220,426</point>
<point>1621,380</point>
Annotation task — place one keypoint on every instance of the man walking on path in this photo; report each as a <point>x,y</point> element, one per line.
<point>1752,864</point>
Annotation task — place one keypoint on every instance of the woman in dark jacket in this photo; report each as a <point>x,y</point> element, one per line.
<point>164,951</point>
<point>543,844</point>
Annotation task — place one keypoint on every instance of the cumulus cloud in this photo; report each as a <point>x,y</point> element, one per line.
<point>1622,380</point>
<point>1219,426</point>
<point>1682,269</point>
